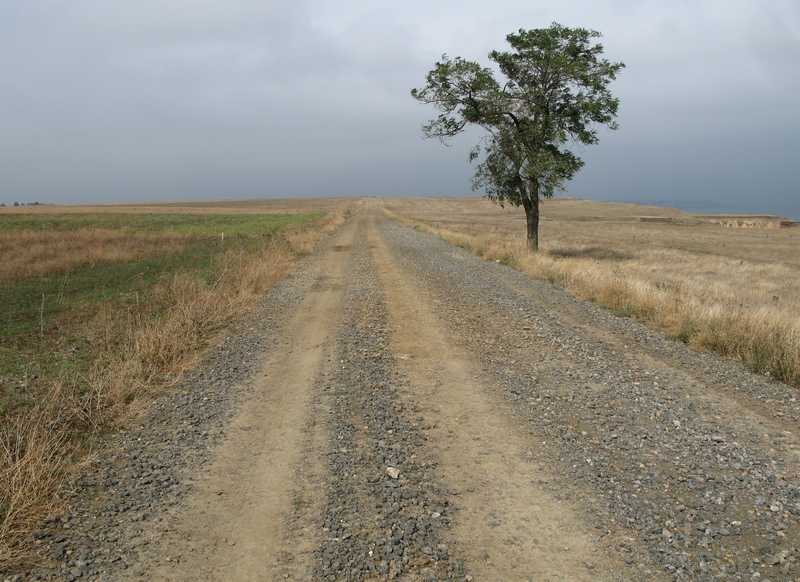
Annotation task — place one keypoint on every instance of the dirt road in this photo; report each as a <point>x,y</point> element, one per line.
<point>399,409</point>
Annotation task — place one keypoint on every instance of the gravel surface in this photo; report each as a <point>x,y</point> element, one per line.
<point>119,502</point>
<point>702,489</point>
<point>385,507</point>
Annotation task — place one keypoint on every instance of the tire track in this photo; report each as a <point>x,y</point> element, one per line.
<point>378,524</point>
<point>246,519</point>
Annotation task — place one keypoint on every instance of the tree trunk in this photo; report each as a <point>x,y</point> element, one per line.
<point>532,222</point>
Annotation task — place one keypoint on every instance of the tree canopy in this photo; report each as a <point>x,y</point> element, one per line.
<point>552,90</point>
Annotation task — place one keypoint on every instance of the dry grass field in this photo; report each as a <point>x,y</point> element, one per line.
<point>729,284</point>
<point>226,207</point>
<point>104,306</point>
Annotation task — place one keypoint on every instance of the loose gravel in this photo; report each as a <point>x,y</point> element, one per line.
<point>386,509</point>
<point>706,494</point>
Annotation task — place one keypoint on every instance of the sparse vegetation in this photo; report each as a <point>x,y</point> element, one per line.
<point>102,310</point>
<point>732,291</point>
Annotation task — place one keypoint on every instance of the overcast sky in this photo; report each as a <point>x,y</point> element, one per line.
<point>166,99</point>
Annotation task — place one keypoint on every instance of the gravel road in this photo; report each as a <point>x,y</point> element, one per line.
<point>398,409</point>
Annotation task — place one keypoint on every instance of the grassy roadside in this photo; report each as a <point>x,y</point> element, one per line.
<point>83,349</point>
<point>765,340</point>
<point>60,269</point>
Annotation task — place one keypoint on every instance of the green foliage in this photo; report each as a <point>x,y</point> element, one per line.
<point>554,91</point>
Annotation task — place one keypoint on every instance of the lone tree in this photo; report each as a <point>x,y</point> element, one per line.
<point>554,91</point>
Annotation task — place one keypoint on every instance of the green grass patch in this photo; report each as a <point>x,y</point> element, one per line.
<point>40,325</point>
<point>30,304</point>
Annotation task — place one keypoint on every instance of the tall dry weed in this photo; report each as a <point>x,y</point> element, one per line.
<point>154,350</point>
<point>32,450</point>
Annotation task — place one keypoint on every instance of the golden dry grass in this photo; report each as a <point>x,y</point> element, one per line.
<point>733,291</point>
<point>135,355</point>
<point>30,253</point>
<point>31,471</point>
<point>271,206</point>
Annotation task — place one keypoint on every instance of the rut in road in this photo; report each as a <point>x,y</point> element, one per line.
<point>235,525</point>
<point>411,412</point>
<point>378,524</point>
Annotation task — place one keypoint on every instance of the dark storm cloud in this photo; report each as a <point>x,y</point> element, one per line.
<point>164,99</point>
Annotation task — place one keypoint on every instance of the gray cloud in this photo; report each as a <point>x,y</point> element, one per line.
<point>199,98</point>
